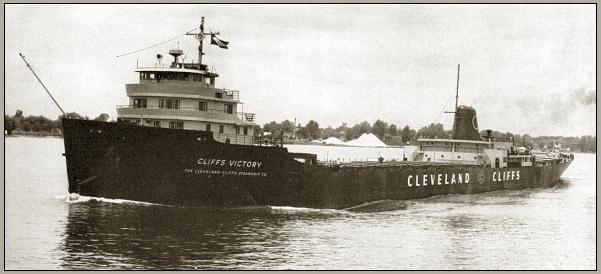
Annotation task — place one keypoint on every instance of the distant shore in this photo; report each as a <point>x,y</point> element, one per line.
<point>34,134</point>
<point>286,141</point>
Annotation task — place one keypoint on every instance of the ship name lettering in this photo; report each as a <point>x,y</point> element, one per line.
<point>241,163</point>
<point>509,175</point>
<point>232,163</point>
<point>211,162</point>
<point>437,179</point>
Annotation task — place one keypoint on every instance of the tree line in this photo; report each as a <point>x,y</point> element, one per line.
<point>40,124</point>
<point>390,134</point>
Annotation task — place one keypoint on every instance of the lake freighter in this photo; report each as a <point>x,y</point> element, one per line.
<point>182,141</point>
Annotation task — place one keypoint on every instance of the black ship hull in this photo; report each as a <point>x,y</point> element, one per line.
<point>189,168</point>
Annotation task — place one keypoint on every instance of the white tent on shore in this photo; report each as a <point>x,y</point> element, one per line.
<point>333,141</point>
<point>366,140</point>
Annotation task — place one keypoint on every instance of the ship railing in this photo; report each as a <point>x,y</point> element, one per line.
<point>195,66</point>
<point>233,138</point>
<point>231,94</point>
<point>244,116</point>
<point>269,140</point>
<point>247,139</point>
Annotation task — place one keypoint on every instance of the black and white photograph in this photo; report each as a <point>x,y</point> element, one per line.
<point>435,136</point>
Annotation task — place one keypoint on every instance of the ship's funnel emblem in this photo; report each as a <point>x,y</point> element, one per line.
<point>475,123</point>
<point>481,177</point>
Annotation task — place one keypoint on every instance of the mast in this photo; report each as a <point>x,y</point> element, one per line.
<point>202,30</point>
<point>457,91</point>
<point>200,36</point>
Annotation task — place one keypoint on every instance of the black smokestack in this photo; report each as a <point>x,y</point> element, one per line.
<point>465,126</point>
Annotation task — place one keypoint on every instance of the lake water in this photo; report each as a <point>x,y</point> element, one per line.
<point>529,229</point>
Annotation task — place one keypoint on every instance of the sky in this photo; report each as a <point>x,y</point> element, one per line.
<point>525,68</point>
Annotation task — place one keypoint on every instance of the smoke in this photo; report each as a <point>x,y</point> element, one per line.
<point>560,110</point>
<point>586,97</point>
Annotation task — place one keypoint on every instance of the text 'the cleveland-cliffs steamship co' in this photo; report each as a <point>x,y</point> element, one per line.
<point>182,141</point>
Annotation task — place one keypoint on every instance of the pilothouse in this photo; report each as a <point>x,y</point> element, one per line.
<point>183,96</point>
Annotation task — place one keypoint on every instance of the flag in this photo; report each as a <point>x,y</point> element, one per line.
<point>220,43</point>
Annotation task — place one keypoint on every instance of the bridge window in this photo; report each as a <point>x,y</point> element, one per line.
<point>202,106</point>
<point>139,102</point>
<point>229,108</point>
<point>245,131</point>
<point>146,76</point>
<point>220,128</point>
<point>218,95</point>
<point>169,103</point>
<point>176,124</point>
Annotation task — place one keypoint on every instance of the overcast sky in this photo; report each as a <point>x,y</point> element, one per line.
<point>525,68</point>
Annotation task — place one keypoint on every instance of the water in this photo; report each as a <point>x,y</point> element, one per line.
<point>529,229</point>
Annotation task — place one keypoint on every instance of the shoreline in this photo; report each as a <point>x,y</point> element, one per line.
<point>308,143</point>
<point>35,134</point>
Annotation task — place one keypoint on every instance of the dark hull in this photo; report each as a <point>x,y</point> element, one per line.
<point>189,168</point>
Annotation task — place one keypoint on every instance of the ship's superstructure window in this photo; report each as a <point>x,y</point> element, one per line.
<point>220,128</point>
<point>169,103</point>
<point>229,108</point>
<point>208,127</point>
<point>176,76</point>
<point>245,131</point>
<point>218,95</point>
<point>237,129</point>
<point>176,124</point>
<point>139,102</point>
<point>156,123</point>
<point>202,106</point>
<point>146,76</point>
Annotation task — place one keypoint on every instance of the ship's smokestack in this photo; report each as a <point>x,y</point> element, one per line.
<point>465,126</point>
